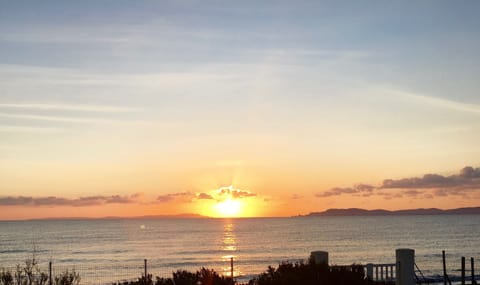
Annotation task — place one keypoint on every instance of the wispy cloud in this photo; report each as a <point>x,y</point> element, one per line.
<point>24,129</point>
<point>359,189</point>
<point>439,102</point>
<point>69,107</point>
<point>296,197</point>
<point>61,201</point>
<point>230,191</point>
<point>67,119</point>
<point>204,196</point>
<point>183,196</point>
<point>57,113</point>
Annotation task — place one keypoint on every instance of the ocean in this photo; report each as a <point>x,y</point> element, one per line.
<point>254,243</point>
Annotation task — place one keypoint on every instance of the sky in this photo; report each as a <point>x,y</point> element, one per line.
<point>237,108</point>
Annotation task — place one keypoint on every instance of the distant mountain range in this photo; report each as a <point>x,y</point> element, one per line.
<point>380,212</point>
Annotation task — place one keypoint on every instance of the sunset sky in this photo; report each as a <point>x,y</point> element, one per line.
<point>237,108</point>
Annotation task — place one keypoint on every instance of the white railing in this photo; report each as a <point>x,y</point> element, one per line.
<point>381,272</point>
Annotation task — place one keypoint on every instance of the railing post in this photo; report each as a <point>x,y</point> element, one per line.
<point>463,270</point>
<point>50,273</point>
<point>231,267</point>
<point>370,271</point>
<point>319,257</point>
<point>405,258</point>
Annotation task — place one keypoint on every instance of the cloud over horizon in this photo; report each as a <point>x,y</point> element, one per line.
<point>183,196</point>
<point>428,186</point>
<point>358,190</point>
<point>234,193</point>
<point>467,177</point>
<point>61,201</point>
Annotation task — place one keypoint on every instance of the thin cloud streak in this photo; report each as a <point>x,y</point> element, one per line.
<point>69,107</point>
<point>80,120</point>
<point>440,102</point>
<point>21,129</point>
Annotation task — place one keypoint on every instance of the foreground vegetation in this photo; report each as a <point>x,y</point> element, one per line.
<point>311,274</point>
<point>30,274</point>
<point>181,277</point>
<point>287,273</point>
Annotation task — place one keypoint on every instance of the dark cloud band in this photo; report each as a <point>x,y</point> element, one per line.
<point>427,186</point>
<point>61,201</point>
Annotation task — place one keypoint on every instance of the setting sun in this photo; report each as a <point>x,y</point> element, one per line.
<point>229,202</point>
<point>228,208</point>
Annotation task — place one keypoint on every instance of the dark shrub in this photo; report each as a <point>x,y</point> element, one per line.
<point>181,277</point>
<point>67,278</point>
<point>6,278</point>
<point>289,273</point>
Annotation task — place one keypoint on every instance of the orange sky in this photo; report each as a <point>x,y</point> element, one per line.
<point>109,110</point>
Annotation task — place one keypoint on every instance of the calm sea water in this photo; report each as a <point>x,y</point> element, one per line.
<point>170,244</point>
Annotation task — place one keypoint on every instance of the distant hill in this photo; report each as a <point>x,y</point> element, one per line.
<point>178,216</point>
<point>381,212</point>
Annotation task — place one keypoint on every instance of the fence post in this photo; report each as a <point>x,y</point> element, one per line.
<point>50,273</point>
<point>463,270</point>
<point>145,268</point>
<point>405,258</point>
<point>370,271</point>
<point>472,265</point>
<point>444,268</point>
<point>231,267</point>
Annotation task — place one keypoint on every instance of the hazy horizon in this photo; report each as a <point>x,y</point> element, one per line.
<point>247,109</point>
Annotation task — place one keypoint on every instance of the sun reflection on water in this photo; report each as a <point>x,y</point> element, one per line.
<point>229,241</point>
<point>229,247</point>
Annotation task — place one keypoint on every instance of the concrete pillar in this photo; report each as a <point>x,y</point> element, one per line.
<point>370,271</point>
<point>319,257</point>
<point>405,271</point>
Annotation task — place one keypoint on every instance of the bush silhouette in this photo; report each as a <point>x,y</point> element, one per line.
<point>181,277</point>
<point>311,274</point>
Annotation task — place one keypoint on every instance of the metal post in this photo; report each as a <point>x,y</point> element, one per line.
<point>472,265</point>
<point>463,270</point>
<point>50,273</point>
<point>145,267</point>
<point>231,267</point>
<point>444,268</point>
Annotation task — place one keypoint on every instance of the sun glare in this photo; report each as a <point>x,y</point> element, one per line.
<point>228,208</point>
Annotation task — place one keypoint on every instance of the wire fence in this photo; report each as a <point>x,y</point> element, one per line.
<point>107,274</point>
